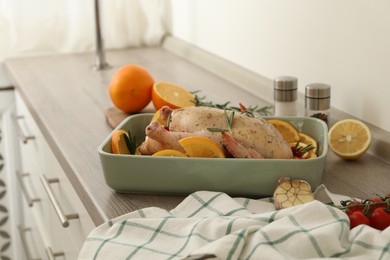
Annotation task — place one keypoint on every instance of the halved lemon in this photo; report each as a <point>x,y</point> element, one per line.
<point>199,146</point>
<point>307,139</point>
<point>288,131</point>
<point>349,138</point>
<point>172,95</point>
<point>118,142</point>
<point>170,152</point>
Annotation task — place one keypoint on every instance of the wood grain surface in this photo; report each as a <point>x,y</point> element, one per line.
<point>69,100</point>
<point>114,116</point>
<point>70,103</point>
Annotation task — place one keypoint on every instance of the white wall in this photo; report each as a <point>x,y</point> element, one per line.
<point>343,43</point>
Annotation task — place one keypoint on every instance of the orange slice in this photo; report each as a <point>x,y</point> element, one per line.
<point>288,131</point>
<point>199,146</point>
<point>157,117</point>
<point>170,152</point>
<point>118,142</point>
<point>307,139</point>
<point>172,95</point>
<point>349,139</point>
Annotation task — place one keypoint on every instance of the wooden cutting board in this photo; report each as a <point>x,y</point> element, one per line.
<point>115,116</point>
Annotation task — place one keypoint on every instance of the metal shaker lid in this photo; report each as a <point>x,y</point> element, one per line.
<point>317,90</point>
<point>285,88</point>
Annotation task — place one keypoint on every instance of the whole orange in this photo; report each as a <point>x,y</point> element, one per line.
<point>131,88</point>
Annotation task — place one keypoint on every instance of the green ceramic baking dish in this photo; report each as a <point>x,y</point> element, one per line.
<point>237,177</point>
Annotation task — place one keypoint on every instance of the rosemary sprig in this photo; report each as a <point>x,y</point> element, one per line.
<point>250,111</point>
<point>300,151</point>
<point>199,102</point>
<point>305,149</point>
<point>168,122</point>
<point>131,142</point>
<point>229,123</point>
<point>229,120</point>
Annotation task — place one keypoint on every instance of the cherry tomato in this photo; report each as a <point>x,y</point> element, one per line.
<point>353,203</point>
<point>380,219</point>
<point>242,107</point>
<point>376,200</point>
<point>358,218</point>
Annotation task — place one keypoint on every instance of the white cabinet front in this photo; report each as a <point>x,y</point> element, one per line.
<point>59,216</point>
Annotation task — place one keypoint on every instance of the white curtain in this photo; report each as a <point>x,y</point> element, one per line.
<point>51,26</point>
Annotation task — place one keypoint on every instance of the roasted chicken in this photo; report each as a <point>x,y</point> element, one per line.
<point>245,137</point>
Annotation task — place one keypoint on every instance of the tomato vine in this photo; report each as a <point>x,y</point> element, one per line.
<point>374,212</point>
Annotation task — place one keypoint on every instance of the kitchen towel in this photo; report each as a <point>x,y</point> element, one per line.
<point>212,225</point>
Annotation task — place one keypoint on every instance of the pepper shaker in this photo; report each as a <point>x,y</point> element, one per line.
<point>285,96</point>
<point>317,101</point>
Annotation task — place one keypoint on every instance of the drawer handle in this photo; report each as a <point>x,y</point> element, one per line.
<point>64,219</point>
<point>53,255</point>
<point>30,201</point>
<point>22,232</point>
<point>22,136</point>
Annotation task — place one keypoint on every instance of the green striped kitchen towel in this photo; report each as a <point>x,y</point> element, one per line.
<point>212,225</point>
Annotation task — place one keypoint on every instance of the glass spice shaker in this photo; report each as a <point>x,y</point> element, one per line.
<point>285,96</point>
<point>317,101</point>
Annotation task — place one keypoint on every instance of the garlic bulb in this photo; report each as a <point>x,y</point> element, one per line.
<point>290,193</point>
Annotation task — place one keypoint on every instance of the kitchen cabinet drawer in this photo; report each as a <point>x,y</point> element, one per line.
<point>39,246</point>
<point>56,209</point>
<point>31,157</point>
<point>31,242</point>
<point>30,237</point>
<point>68,202</point>
<point>30,140</point>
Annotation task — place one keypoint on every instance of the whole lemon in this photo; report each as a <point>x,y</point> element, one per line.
<point>131,88</point>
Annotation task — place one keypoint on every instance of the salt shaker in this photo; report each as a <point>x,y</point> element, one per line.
<point>285,96</point>
<point>317,101</point>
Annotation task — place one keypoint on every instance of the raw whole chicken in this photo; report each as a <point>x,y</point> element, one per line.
<point>248,137</point>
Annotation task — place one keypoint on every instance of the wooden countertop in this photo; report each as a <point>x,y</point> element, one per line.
<point>68,100</point>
